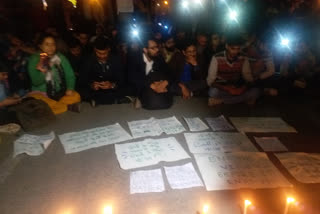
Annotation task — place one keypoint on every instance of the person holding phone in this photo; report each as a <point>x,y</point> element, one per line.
<point>52,78</point>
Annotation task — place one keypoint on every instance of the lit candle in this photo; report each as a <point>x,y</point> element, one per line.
<point>205,209</point>
<point>107,210</point>
<point>289,201</point>
<point>247,203</point>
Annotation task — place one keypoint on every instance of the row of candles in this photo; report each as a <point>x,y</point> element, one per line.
<point>206,208</point>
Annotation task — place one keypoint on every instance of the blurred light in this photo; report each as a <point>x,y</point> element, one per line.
<point>134,25</point>
<point>185,4</point>
<point>135,33</point>
<point>285,42</point>
<point>233,15</point>
<point>290,200</point>
<point>205,209</point>
<point>158,4</point>
<point>166,2</point>
<point>134,19</point>
<point>107,210</point>
<point>166,27</point>
<point>159,24</point>
<point>74,2</point>
<point>247,203</point>
<point>197,1</point>
<point>45,4</point>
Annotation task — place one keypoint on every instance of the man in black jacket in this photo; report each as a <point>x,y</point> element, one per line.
<point>148,74</point>
<point>102,77</point>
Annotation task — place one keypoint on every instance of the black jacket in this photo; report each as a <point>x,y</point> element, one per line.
<point>137,71</point>
<point>93,71</point>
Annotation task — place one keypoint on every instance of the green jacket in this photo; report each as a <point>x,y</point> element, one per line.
<point>38,78</point>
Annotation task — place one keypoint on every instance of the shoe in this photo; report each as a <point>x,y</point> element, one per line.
<point>137,104</point>
<point>214,101</point>
<point>75,107</point>
<point>10,128</point>
<point>124,100</point>
<point>93,103</point>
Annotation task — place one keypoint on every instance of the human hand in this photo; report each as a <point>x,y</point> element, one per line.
<point>160,86</point>
<point>186,93</point>
<point>10,101</point>
<point>95,86</point>
<point>105,85</point>
<point>69,93</point>
<point>192,61</point>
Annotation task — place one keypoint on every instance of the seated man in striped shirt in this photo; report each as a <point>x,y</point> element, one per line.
<point>229,76</point>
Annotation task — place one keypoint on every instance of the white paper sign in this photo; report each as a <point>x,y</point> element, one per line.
<point>146,181</point>
<point>261,124</point>
<point>145,128</point>
<point>303,166</point>
<point>219,124</point>
<point>196,124</point>
<point>239,170</point>
<point>208,142</point>
<point>92,138</point>
<point>181,177</point>
<point>32,144</point>
<point>271,144</point>
<point>125,6</point>
<point>171,125</point>
<point>149,152</point>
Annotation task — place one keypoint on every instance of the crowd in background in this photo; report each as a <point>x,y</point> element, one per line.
<point>113,66</point>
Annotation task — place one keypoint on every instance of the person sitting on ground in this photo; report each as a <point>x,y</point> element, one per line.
<point>214,47</point>
<point>149,75</point>
<point>169,50</point>
<point>188,73</point>
<point>229,71</point>
<point>6,117</point>
<point>302,74</point>
<point>52,78</point>
<point>16,59</point>
<point>262,65</point>
<point>102,76</point>
<point>74,55</point>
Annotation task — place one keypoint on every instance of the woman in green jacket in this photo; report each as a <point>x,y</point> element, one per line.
<point>52,78</point>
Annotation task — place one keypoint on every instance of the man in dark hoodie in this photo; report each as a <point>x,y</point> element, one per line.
<point>102,77</point>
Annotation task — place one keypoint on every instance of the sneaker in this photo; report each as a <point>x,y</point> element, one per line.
<point>10,128</point>
<point>137,104</point>
<point>124,100</point>
<point>93,103</point>
<point>214,101</point>
<point>76,107</point>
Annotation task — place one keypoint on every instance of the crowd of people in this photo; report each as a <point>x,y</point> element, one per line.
<point>148,70</point>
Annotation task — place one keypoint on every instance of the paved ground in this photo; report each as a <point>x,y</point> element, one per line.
<point>82,183</point>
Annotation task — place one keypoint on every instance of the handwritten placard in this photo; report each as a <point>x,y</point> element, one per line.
<point>145,128</point>
<point>219,124</point>
<point>303,166</point>
<point>146,181</point>
<point>92,138</point>
<point>239,170</point>
<point>182,177</point>
<point>171,125</point>
<point>208,142</point>
<point>196,124</point>
<point>33,145</point>
<point>149,152</point>
<point>261,124</point>
<point>271,144</point>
